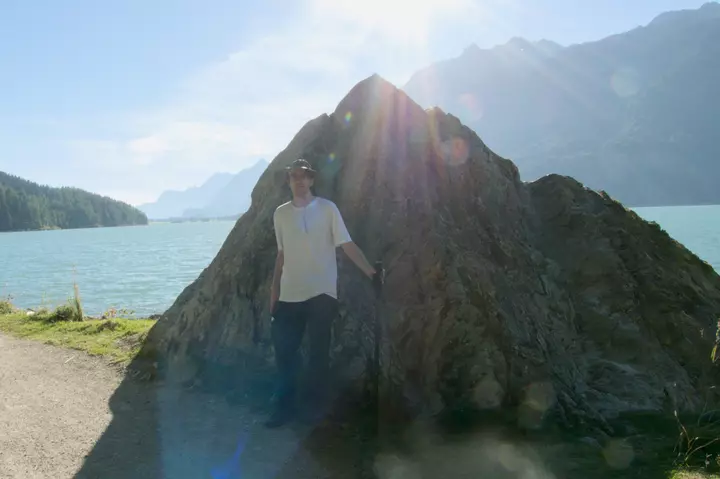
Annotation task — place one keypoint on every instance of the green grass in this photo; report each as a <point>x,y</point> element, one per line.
<point>118,340</point>
<point>692,475</point>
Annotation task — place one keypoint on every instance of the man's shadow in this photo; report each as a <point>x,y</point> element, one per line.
<point>131,445</point>
<point>166,429</point>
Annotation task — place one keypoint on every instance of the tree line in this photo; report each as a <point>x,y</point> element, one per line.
<point>25,205</point>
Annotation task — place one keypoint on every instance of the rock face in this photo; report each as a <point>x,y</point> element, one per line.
<point>545,297</point>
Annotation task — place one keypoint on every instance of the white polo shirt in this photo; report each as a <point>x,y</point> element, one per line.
<point>308,237</point>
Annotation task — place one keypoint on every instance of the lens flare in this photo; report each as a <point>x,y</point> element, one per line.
<point>231,468</point>
<point>470,106</point>
<point>348,117</point>
<point>455,151</point>
<point>625,82</point>
<point>539,399</point>
<point>331,157</point>
<point>619,454</point>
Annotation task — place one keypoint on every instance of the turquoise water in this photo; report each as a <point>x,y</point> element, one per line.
<point>144,268</point>
<point>141,268</point>
<point>696,227</point>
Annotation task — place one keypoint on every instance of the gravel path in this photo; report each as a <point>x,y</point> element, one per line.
<point>53,408</point>
<point>67,415</point>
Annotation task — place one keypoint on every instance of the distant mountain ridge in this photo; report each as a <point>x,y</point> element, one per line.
<point>173,203</point>
<point>26,206</point>
<point>633,114</point>
<point>222,195</point>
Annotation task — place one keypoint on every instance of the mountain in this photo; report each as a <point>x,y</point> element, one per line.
<point>172,204</point>
<point>25,205</point>
<point>233,198</point>
<point>634,114</point>
<point>547,300</point>
<point>222,195</point>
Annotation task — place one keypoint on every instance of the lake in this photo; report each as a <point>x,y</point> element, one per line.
<point>144,268</point>
<point>140,268</point>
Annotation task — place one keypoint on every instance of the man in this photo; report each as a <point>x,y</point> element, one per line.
<point>303,296</point>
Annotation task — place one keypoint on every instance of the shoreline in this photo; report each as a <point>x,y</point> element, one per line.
<point>41,230</point>
<point>116,339</point>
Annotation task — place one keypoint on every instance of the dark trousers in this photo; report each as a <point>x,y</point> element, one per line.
<point>288,327</point>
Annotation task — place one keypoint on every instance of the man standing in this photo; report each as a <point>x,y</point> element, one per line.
<point>303,296</point>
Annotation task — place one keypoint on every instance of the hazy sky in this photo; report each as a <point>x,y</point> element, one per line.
<point>132,97</point>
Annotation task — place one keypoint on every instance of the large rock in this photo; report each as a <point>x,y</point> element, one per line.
<point>542,297</point>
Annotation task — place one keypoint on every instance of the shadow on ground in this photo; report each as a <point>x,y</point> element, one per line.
<point>160,430</point>
<point>164,430</point>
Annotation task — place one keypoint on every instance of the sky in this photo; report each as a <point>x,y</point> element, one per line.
<point>131,98</point>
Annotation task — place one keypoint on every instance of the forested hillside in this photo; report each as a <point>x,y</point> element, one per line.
<point>25,205</point>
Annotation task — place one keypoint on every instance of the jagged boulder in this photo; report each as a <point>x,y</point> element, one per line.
<point>544,297</point>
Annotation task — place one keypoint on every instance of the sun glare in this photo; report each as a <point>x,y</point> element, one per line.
<point>402,20</point>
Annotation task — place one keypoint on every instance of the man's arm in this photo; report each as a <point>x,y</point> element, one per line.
<point>341,237</point>
<point>275,288</point>
<point>357,257</point>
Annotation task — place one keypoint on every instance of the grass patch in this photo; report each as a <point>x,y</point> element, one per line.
<point>6,306</point>
<point>680,474</point>
<point>118,340</point>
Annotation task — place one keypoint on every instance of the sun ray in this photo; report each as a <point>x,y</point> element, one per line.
<point>398,20</point>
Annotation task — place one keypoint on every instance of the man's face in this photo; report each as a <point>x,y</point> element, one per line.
<point>300,182</point>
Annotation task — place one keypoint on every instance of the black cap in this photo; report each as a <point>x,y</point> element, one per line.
<point>300,164</point>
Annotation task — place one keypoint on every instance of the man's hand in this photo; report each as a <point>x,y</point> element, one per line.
<point>357,257</point>
<point>371,272</point>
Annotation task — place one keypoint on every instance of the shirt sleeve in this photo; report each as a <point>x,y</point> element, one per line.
<point>339,231</point>
<point>278,232</point>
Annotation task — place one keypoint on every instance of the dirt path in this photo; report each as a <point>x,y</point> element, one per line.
<point>53,408</point>
<point>64,414</point>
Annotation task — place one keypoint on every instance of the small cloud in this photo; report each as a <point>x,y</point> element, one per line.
<point>150,145</point>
